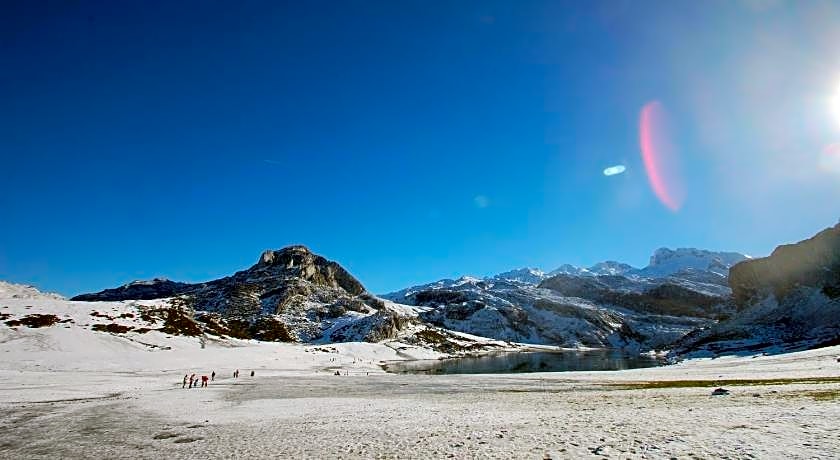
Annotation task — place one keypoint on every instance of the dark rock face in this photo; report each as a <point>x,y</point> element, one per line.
<point>658,299</point>
<point>813,262</point>
<point>435,297</point>
<point>298,261</point>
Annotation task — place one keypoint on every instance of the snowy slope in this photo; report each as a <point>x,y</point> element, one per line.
<point>48,332</point>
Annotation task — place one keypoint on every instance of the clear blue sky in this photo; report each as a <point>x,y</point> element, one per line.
<point>409,141</point>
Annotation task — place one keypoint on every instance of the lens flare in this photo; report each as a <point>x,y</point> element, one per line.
<point>613,170</point>
<point>659,157</point>
<point>830,159</point>
<point>835,106</point>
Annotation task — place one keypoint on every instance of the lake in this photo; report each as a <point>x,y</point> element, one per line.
<point>518,362</point>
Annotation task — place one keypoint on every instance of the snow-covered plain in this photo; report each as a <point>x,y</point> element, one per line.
<point>69,392</point>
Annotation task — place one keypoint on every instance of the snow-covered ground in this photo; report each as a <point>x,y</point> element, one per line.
<point>69,392</point>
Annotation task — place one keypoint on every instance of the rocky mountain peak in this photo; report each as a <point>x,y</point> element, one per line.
<point>611,267</point>
<point>299,261</point>
<point>666,261</point>
<point>524,275</point>
<point>287,257</point>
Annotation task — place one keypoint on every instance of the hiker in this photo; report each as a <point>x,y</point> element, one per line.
<point>204,380</point>
<point>252,373</point>
<point>185,381</point>
<point>236,374</point>
<point>192,377</point>
<point>213,376</point>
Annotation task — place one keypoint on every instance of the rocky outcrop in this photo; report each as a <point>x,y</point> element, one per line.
<point>298,261</point>
<point>789,300</point>
<point>814,262</point>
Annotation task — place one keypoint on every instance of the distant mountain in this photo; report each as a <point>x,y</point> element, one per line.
<point>567,269</point>
<point>663,263</point>
<point>157,288</point>
<point>788,300</point>
<point>611,267</point>
<point>666,262</point>
<point>523,275</point>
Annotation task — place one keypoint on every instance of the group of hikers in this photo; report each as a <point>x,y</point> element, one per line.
<point>192,381</point>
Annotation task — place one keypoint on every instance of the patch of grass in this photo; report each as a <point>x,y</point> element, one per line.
<point>34,321</point>
<point>101,315</point>
<point>113,328</point>
<point>180,322</point>
<point>720,383</point>
<point>826,395</point>
<point>431,336</point>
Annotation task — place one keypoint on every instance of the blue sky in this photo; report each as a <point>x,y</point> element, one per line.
<point>409,141</point>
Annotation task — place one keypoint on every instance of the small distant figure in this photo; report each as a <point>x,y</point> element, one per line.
<point>185,381</point>
<point>213,376</point>
<point>337,373</point>
<point>192,377</point>
<point>204,380</point>
<point>252,373</point>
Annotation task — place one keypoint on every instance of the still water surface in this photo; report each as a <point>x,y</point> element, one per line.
<point>516,362</point>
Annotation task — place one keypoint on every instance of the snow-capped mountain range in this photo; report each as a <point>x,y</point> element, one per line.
<point>663,263</point>
<point>608,304</point>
